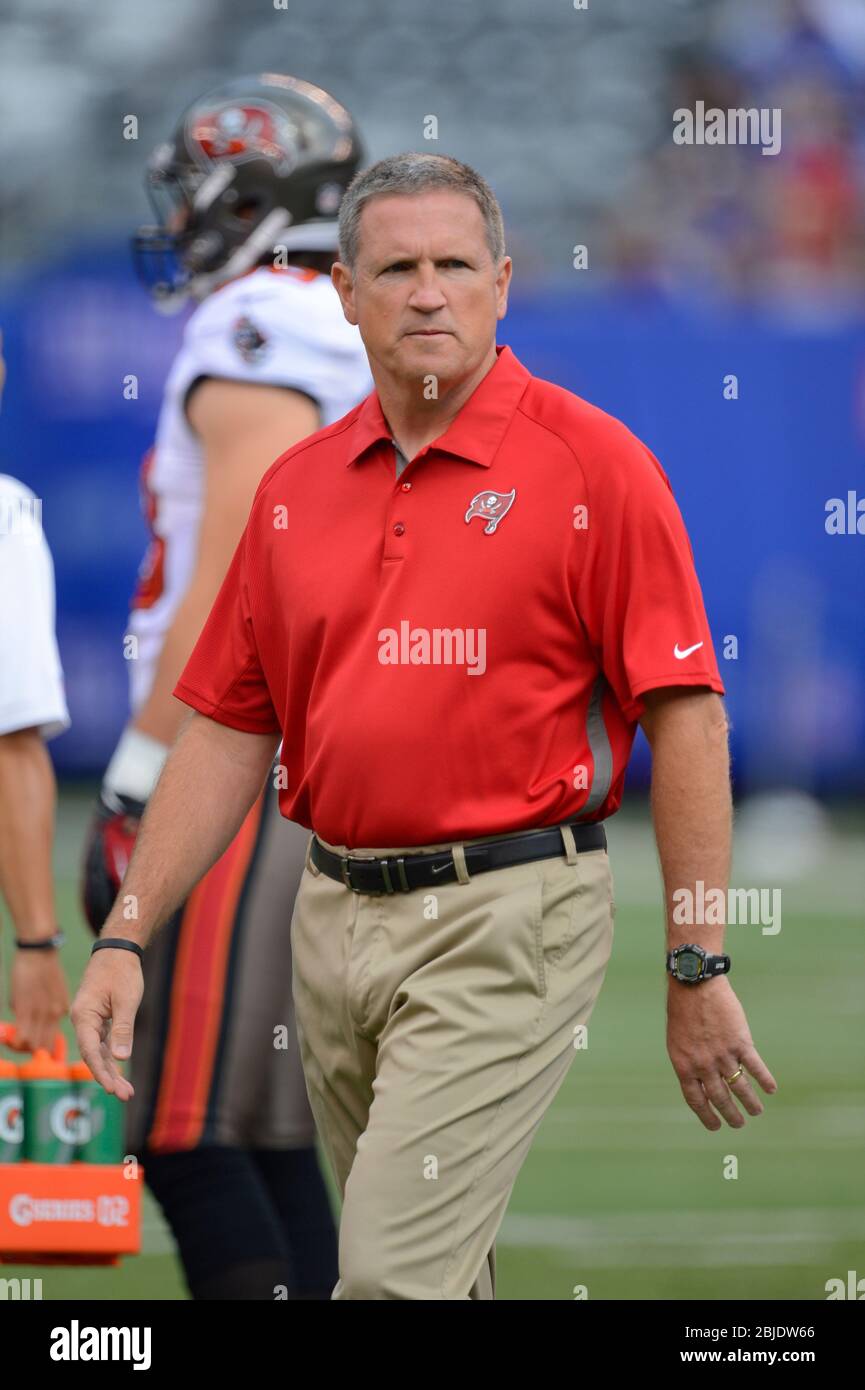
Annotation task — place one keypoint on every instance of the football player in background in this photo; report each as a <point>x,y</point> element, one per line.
<point>246,193</point>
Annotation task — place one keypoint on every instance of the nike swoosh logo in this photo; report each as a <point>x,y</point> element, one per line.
<point>439,869</point>
<point>687,652</point>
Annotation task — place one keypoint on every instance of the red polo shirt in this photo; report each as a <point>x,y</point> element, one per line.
<point>460,651</point>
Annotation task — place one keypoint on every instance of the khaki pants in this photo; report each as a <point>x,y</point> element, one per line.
<point>435,1028</point>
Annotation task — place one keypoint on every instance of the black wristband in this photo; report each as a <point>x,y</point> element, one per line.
<point>120,943</point>
<point>49,943</point>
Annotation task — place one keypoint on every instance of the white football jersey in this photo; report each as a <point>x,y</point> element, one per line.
<point>32,694</point>
<point>278,327</point>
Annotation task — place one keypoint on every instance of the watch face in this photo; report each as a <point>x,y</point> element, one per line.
<point>689,964</point>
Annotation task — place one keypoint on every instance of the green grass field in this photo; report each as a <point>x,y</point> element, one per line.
<point>623,1191</point>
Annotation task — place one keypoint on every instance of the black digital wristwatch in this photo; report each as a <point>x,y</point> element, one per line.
<point>692,964</point>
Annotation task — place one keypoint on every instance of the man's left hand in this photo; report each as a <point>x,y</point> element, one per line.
<point>708,1039</point>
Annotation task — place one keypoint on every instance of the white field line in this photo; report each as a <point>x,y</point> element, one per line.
<point>692,1239</point>
<point>665,1239</point>
<point>616,1127</point>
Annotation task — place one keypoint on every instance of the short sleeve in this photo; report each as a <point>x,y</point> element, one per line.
<point>32,692</point>
<point>275,334</point>
<point>223,677</point>
<point>638,595</point>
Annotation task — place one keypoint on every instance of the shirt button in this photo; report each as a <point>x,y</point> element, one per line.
<point>398,529</point>
<point>406,487</point>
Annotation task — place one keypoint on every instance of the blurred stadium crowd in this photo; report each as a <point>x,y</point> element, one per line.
<point>791,230</point>
<point>574,135</point>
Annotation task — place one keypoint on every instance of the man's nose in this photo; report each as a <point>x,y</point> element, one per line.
<point>427,294</point>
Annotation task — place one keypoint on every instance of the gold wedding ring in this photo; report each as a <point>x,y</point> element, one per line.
<point>730,1079</point>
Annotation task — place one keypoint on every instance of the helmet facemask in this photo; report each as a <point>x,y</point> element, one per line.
<point>257,168</point>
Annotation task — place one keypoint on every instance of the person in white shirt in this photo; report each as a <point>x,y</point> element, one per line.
<point>32,710</point>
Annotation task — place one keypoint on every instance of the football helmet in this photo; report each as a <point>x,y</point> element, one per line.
<point>253,166</point>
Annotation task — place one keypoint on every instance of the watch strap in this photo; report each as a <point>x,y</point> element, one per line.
<point>717,965</point>
<point>48,943</point>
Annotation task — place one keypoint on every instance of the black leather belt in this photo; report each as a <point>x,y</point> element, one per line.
<point>408,871</point>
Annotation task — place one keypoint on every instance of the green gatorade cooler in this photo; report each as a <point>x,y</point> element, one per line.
<point>52,1120</point>
<point>101,1118</point>
<point>11,1113</point>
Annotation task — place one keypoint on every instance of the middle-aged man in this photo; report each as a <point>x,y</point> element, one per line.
<point>455,604</point>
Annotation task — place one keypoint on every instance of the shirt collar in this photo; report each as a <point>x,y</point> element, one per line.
<point>478,429</point>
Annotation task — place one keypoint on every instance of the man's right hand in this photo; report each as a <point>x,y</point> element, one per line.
<point>103,1015</point>
<point>108,849</point>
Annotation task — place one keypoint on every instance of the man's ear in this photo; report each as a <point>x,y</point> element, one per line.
<point>343,283</point>
<point>503,280</point>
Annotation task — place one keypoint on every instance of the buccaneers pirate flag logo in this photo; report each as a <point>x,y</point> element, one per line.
<point>492,506</point>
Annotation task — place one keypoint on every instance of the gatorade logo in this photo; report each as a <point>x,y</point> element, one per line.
<point>108,1209</point>
<point>24,1209</point>
<point>68,1121</point>
<point>11,1121</point>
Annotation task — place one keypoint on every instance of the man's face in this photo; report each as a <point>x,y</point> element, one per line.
<point>425,294</point>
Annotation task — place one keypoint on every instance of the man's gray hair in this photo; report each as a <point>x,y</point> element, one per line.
<point>415,173</point>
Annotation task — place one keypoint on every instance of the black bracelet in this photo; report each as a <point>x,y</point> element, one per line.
<point>120,942</point>
<point>49,943</point>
